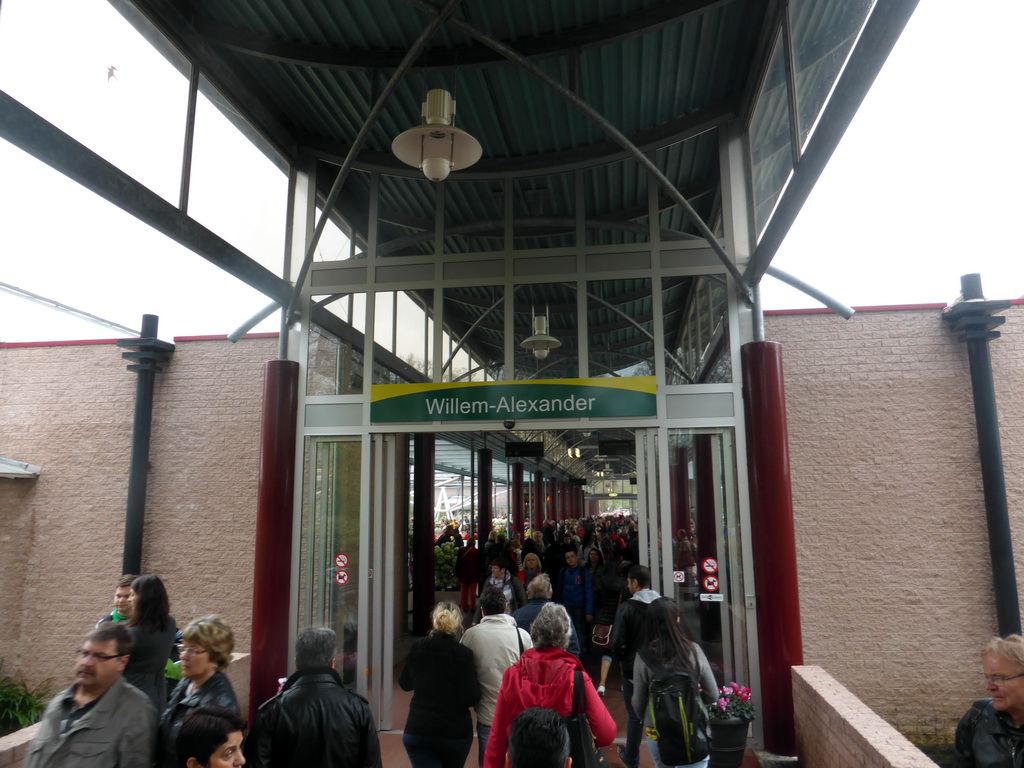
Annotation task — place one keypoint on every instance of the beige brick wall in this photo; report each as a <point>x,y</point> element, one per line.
<point>69,410</point>
<point>895,584</point>
<point>836,730</point>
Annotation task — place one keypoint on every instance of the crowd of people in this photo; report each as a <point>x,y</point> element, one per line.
<point>504,668</point>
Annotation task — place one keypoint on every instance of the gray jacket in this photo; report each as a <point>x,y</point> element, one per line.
<point>118,732</point>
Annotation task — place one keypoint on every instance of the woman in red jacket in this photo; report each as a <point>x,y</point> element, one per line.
<point>543,677</point>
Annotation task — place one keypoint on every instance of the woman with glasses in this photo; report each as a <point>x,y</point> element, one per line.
<point>991,734</point>
<point>205,653</point>
<point>153,630</point>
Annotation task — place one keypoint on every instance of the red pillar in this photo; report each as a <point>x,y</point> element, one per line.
<point>516,500</point>
<point>273,551</point>
<point>423,596</point>
<point>538,500</point>
<point>773,539</point>
<point>553,506</point>
<point>485,483</point>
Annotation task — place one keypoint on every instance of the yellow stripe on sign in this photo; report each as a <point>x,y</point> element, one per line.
<point>645,384</point>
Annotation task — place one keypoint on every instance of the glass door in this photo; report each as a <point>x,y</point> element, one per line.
<point>705,554</point>
<point>333,554</point>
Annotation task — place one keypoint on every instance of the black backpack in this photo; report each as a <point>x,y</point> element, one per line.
<point>679,722</point>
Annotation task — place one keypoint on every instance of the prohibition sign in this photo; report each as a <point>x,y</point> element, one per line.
<point>341,577</point>
<point>341,560</point>
<point>710,583</point>
<point>709,565</point>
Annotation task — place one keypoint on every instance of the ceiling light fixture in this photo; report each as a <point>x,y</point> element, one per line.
<point>540,343</point>
<point>437,147</point>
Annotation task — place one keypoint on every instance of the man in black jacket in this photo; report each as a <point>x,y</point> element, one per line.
<point>627,638</point>
<point>314,720</point>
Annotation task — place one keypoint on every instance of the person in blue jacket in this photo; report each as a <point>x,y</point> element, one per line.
<point>576,593</point>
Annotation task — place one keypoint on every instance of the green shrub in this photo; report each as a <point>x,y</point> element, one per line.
<point>444,566</point>
<point>20,705</point>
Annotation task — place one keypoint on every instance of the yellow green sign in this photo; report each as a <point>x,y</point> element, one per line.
<point>504,400</point>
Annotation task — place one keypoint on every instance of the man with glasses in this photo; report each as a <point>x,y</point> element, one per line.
<point>101,720</point>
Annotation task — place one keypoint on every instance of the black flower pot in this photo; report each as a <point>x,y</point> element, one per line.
<point>728,742</point>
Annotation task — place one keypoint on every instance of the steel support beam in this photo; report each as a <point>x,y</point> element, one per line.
<point>883,28</point>
<point>44,141</point>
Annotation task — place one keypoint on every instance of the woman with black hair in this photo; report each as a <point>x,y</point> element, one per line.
<point>670,648</point>
<point>154,631</point>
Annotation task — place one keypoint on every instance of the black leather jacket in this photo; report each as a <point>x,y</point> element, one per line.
<point>314,721</point>
<point>984,739</point>
<point>628,630</point>
<point>217,690</point>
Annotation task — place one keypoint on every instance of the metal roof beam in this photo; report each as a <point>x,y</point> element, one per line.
<point>602,122</point>
<point>615,30</point>
<point>27,130</point>
<point>601,153</point>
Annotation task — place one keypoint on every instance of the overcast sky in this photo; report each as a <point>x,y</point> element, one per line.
<point>925,186</point>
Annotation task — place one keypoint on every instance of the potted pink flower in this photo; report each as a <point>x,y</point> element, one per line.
<point>730,717</point>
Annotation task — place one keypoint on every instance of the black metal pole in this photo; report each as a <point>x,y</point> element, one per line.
<point>1000,543</point>
<point>973,316</point>
<point>149,353</point>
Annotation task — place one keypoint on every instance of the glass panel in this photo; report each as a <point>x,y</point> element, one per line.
<point>550,306</point>
<point>543,212</point>
<point>475,319</point>
<point>615,200</point>
<point>771,151</point>
<point>403,336</point>
<point>823,34</point>
<point>336,345</point>
<point>699,157</point>
<point>405,216</point>
<point>351,213</point>
<point>696,311</point>
<point>330,564</point>
<point>474,218</point>
<point>236,189</point>
<point>109,89</point>
<point>706,548</point>
<point>334,244</point>
<point>620,325</point>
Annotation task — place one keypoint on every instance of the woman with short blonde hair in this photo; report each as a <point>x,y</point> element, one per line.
<point>441,673</point>
<point>205,651</point>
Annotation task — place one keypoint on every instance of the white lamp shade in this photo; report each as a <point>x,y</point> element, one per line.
<point>417,146</point>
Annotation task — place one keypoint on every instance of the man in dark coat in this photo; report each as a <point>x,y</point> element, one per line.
<point>314,720</point>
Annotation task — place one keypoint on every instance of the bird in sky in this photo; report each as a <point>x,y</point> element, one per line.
<point>110,73</point>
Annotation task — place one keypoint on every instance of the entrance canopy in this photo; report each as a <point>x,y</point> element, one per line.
<point>615,107</point>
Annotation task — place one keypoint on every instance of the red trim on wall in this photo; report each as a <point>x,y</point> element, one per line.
<point>78,343</point>
<point>871,308</point>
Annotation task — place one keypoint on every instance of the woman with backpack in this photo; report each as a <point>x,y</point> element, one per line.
<point>545,676</point>
<point>668,652</point>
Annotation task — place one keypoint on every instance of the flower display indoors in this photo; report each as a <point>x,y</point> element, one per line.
<point>733,702</point>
